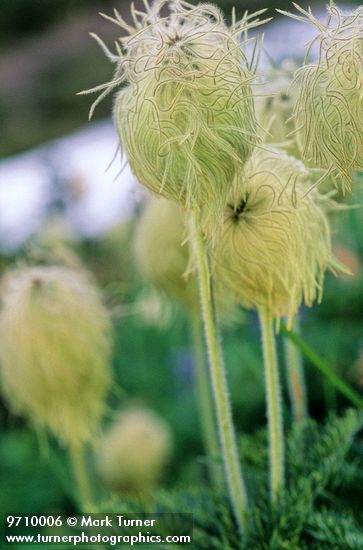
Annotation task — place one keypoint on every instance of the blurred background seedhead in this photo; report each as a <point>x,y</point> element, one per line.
<point>162,251</point>
<point>55,347</point>
<point>134,452</point>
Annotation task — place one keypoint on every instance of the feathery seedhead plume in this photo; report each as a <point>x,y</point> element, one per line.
<point>55,350</point>
<point>275,245</point>
<point>134,451</point>
<point>161,253</point>
<point>185,116</point>
<point>329,108</point>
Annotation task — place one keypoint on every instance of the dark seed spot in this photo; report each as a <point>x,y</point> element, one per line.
<point>237,211</point>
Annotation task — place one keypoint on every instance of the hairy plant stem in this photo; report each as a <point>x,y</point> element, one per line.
<point>76,452</point>
<point>235,483</point>
<point>205,401</point>
<point>273,398</point>
<point>295,376</point>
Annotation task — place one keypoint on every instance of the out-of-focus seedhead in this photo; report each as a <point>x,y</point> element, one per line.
<point>55,350</point>
<point>161,253</point>
<point>134,451</point>
<point>274,107</point>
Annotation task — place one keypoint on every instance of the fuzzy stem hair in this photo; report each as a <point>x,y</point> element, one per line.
<point>235,482</point>
<point>205,401</point>
<point>273,399</point>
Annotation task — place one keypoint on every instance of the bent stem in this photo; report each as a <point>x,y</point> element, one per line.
<point>273,398</point>
<point>295,376</point>
<point>235,483</point>
<point>76,452</point>
<point>204,400</point>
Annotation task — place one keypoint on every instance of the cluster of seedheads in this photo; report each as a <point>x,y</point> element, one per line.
<point>240,215</point>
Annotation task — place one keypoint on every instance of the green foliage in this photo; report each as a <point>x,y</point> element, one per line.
<point>324,469</point>
<point>21,467</point>
<point>321,470</point>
